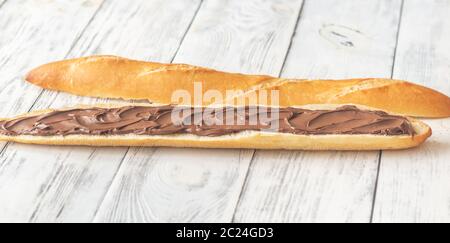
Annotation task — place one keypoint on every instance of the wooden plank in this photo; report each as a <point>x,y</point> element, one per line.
<point>145,30</point>
<point>42,183</point>
<point>32,32</point>
<point>198,185</point>
<point>335,39</point>
<point>414,184</point>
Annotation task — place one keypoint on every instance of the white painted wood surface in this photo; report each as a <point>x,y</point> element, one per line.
<point>28,38</point>
<point>72,181</point>
<point>414,185</point>
<point>287,186</point>
<point>198,185</point>
<point>320,38</point>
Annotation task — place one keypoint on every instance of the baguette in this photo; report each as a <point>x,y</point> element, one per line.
<point>116,77</point>
<point>245,139</point>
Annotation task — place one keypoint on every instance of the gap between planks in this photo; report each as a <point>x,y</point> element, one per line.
<point>358,70</point>
<point>77,38</point>
<point>108,186</point>
<point>2,3</point>
<point>299,15</point>
<point>372,211</point>
<point>288,38</point>
<point>47,101</point>
<point>128,148</point>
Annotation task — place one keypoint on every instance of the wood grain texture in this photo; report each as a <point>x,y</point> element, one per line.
<point>414,184</point>
<point>48,184</point>
<point>334,39</point>
<point>31,37</point>
<point>145,30</point>
<point>25,41</point>
<point>173,185</point>
<point>203,185</point>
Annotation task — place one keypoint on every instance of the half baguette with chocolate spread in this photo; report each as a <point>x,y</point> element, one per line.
<point>116,77</point>
<point>314,127</point>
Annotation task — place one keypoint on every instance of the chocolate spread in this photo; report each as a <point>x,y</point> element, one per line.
<point>143,120</point>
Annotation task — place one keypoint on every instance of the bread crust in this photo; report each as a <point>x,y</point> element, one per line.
<point>116,77</point>
<point>245,140</point>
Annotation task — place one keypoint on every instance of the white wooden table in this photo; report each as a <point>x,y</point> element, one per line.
<point>407,39</point>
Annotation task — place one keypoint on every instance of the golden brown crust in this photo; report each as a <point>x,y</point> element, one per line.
<point>116,77</point>
<point>246,140</point>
